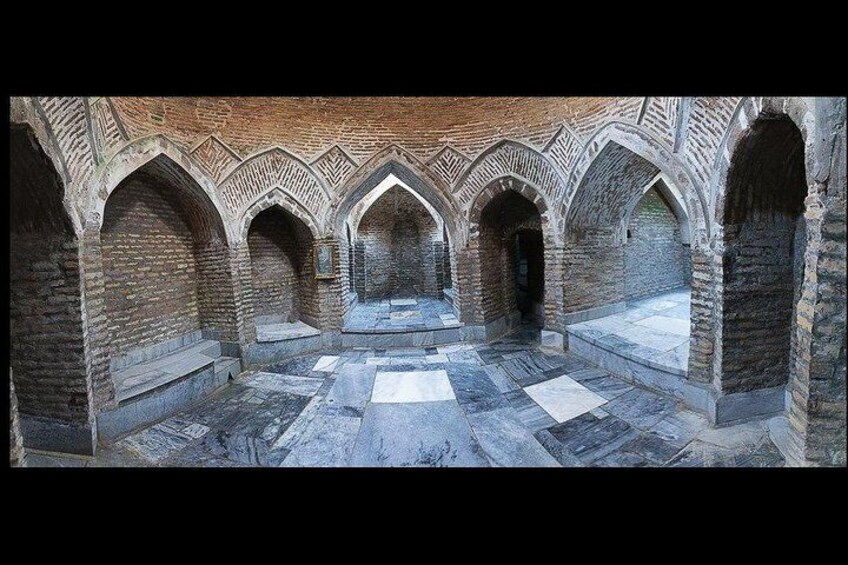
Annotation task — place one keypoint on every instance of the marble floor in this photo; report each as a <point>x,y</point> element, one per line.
<point>401,315</point>
<point>654,329</point>
<point>506,403</point>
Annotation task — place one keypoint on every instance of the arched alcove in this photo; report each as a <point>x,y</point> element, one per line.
<point>763,260</point>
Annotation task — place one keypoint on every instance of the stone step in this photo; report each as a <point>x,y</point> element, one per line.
<point>144,377</point>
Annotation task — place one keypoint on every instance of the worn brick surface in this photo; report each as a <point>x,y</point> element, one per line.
<point>655,257</point>
<point>398,254</point>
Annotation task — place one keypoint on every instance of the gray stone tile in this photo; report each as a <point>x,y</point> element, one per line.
<point>623,459</point>
<point>472,386</point>
<point>591,438</point>
<point>326,442</point>
<point>679,428</point>
<point>502,381</point>
<point>531,414</point>
<point>608,387</point>
<point>557,450</point>
<point>426,434</point>
<point>242,448</point>
<point>352,387</point>
<point>652,448</point>
<point>155,443</point>
<point>641,408</point>
<point>506,442</point>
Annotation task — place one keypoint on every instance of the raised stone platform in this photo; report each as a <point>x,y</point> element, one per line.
<point>647,343</point>
<point>401,322</point>
<point>154,382</point>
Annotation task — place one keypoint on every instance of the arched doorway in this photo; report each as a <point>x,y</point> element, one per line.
<point>511,255</point>
<point>763,260</point>
<point>46,339</point>
<point>657,258</point>
<point>398,257</point>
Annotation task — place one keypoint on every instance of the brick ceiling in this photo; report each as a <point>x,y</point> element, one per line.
<point>364,125</point>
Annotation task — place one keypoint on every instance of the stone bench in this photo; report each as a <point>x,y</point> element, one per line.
<point>277,339</point>
<point>154,382</point>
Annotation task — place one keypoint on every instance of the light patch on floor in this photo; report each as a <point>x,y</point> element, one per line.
<point>404,302</point>
<point>412,386</point>
<point>326,364</point>
<point>564,398</point>
<point>666,324</point>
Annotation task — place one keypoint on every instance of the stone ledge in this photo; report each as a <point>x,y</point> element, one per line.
<point>593,313</point>
<point>47,434</point>
<point>270,333</point>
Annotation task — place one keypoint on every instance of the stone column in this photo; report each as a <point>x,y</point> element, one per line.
<point>554,334</point>
<point>17,455</point>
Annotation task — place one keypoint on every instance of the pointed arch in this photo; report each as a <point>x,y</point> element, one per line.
<point>511,158</point>
<point>405,166</point>
<point>642,145</point>
<point>276,198</point>
<point>276,169</point>
<point>139,153</point>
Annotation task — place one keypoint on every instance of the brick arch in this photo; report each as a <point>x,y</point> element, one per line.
<point>139,153</point>
<point>400,162</point>
<point>277,197</point>
<point>511,158</point>
<point>638,147</point>
<point>276,169</point>
<point>519,185</point>
<point>747,112</point>
<point>23,111</point>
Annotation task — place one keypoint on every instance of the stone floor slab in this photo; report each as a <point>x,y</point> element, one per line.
<point>564,398</point>
<point>413,386</point>
<point>426,434</point>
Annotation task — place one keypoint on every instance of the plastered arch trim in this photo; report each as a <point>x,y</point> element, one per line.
<point>393,159</point>
<point>523,187</point>
<point>276,197</point>
<point>802,113</point>
<point>134,156</point>
<point>269,169</point>
<point>646,146</point>
<point>361,208</point>
<point>665,186</point>
<point>510,158</point>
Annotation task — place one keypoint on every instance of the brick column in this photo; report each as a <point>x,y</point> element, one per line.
<point>702,315</point>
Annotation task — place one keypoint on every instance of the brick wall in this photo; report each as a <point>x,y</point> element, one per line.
<point>45,310</point>
<point>764,201</point>
<point>655,258</point>
<point>281,266</point>
<point>165,265</point>
<point>398,236</point>
<point>593,270</point>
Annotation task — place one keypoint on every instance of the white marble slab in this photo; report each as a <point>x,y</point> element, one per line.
<point>327,363</point>
<point>412,386</point>
<point>405,315</point>
<point>404,302</point>
<point>450,317</point>
<point>303,386</point>
<point>666,324</point>
<point>378,361</point>
<point>564,398</point>
<point>438,358</point>
<point>454,348</point>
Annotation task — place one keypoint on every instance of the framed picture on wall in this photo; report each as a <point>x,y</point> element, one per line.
<point>325,261</point>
